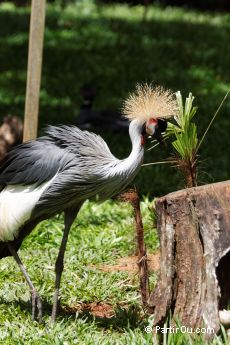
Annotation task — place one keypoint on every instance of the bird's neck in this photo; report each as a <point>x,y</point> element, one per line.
<point>135,133</point>
<point>132,163</point>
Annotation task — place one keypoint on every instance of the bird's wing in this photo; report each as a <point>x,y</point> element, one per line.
<point>82,144</point>
<point>63,147</point>
<point>36,161</point>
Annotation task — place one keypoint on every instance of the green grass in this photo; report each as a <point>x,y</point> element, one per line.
<point>111,47</point>
<point>100,235</point>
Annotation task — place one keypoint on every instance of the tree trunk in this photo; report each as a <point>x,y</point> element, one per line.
<point>194,277</point>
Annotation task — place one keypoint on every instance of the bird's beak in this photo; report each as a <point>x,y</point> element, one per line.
<point>157,135</point>
<point>161,128</point>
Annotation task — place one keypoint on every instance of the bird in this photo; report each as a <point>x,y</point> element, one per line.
<point>102,119</point>
<point>57,172</point>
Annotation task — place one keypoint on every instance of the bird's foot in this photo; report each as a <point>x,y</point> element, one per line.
<point>36,301</point>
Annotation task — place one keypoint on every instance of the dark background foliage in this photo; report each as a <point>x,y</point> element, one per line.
<point>199,4</point>
<point>223,5</point>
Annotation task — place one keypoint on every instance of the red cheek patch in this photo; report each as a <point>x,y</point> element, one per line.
<point>142,140</point>
<point>152,121</point>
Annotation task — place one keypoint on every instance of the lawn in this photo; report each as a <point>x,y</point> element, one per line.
<point>100,236</point>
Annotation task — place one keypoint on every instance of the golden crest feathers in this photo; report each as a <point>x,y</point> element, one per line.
<point>150,102</point>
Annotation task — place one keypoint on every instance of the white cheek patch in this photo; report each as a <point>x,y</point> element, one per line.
<point>16,205</point>
<point>150,129</point>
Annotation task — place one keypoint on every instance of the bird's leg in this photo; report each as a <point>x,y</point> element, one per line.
<point>70,215</point>
<point>34,295</point>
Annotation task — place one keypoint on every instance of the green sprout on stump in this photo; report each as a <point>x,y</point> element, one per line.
<point>186,143</point>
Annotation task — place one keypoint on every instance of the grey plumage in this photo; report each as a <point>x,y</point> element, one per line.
<point>39,160</point>
<point>82,162</point>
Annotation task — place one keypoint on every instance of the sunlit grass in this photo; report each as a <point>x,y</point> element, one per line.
<point>101,234</point>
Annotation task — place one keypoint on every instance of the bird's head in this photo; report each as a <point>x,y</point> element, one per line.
<point>151,106</point>
<point>154,128</point>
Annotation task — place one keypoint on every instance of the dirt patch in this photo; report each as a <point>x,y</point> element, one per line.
<point>129,264</point>
<point>100,309</point>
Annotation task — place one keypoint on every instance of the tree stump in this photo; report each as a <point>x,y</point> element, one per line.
<point>194,277</point>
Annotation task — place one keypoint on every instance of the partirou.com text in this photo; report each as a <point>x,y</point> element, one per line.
<point>181,329</point>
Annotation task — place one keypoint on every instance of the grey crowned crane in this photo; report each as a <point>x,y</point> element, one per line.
<point>59,171</point>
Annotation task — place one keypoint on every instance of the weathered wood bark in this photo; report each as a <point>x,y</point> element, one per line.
<point>194,278</point>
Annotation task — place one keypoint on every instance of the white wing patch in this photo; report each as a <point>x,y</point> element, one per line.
<point>16,205</point>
